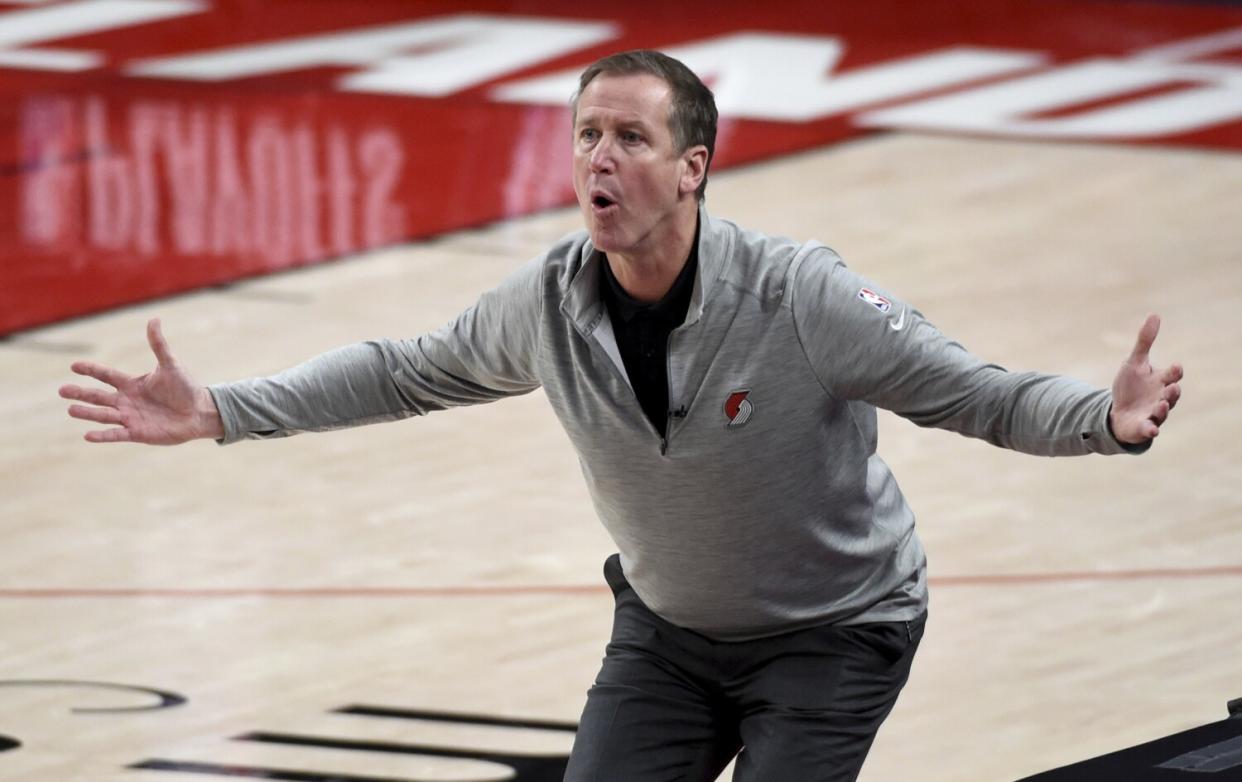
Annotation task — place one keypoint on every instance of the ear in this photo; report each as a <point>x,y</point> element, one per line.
<point>694,168</point>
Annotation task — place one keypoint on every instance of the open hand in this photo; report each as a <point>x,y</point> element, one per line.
<point>163,407</point>
<point>1142,394</point>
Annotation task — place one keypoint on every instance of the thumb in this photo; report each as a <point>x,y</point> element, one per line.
<point>159,346</point>
<point>1146,337</point>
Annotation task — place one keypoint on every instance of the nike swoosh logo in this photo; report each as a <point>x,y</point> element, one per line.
<point>900,324</point>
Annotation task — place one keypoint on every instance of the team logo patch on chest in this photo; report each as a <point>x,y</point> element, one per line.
<point>875,300</point>
<point>738,408</point>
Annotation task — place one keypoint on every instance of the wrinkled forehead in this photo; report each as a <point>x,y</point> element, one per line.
<point>639,97</point>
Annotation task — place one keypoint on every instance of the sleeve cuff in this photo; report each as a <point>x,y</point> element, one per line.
<point>227,414</point>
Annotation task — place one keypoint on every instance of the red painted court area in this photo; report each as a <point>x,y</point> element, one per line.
<point>152,148</point>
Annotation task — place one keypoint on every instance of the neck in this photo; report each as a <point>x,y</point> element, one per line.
<point>648,275</point>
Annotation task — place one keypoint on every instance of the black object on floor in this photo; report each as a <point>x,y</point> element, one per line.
<point>1208,753</point>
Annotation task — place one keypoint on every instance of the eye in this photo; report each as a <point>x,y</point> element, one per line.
<point>632,137</point>
<point>588,134</point>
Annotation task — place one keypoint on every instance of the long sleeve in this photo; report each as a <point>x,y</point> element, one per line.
<point>866,344</point>
<point>486,353</point>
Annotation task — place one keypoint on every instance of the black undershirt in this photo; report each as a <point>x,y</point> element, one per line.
<point>642,334</point>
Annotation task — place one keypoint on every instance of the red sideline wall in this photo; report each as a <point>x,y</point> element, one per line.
<point>130,169</point>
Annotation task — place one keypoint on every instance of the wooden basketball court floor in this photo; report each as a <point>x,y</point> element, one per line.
<point>452,563</point>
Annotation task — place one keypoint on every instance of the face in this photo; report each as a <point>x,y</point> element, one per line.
<point>633,186</point>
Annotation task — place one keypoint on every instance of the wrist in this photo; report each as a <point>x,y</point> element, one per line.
<point>1112,431</point>
<point>210,423</point>
<point>1126,445</point>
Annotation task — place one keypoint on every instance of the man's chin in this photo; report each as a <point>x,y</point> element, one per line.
<point>602,239</point>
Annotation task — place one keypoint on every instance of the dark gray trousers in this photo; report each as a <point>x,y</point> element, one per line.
<point>671,705</point>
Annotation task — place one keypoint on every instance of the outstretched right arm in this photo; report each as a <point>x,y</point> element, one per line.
<point>486,353</point>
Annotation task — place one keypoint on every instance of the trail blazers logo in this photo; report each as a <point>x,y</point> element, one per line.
<point>738,408</point>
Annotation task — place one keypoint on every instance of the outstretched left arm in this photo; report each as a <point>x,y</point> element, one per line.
<point>1142,394</point>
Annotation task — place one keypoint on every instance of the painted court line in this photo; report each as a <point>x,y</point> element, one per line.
<point>501,590</point>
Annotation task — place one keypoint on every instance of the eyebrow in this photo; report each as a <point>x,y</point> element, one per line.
<point>627,124</point>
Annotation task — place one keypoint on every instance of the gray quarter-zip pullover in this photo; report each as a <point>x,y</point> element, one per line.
<point>765,509</point>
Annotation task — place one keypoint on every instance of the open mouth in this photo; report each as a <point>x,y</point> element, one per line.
<point>601,202</point>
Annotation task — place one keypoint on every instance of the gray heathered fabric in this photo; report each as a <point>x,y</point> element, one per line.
<point>737,532</point>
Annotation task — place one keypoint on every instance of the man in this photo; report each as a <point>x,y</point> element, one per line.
<point>720,388</point>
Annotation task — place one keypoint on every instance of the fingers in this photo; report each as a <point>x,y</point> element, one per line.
<point>108,436</point>
<point>94,396</point>
<point>1138,424</point>
<point>1172,375</point>
<point>1172,393</point>
<point>1146,336</point>
<point>159,346</point>
<point>1159,413</point>
<point>101,415</point>
<point>101,409</point>
<point>112,377</point>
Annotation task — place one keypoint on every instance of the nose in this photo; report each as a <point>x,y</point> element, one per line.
<point>601,157</point>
